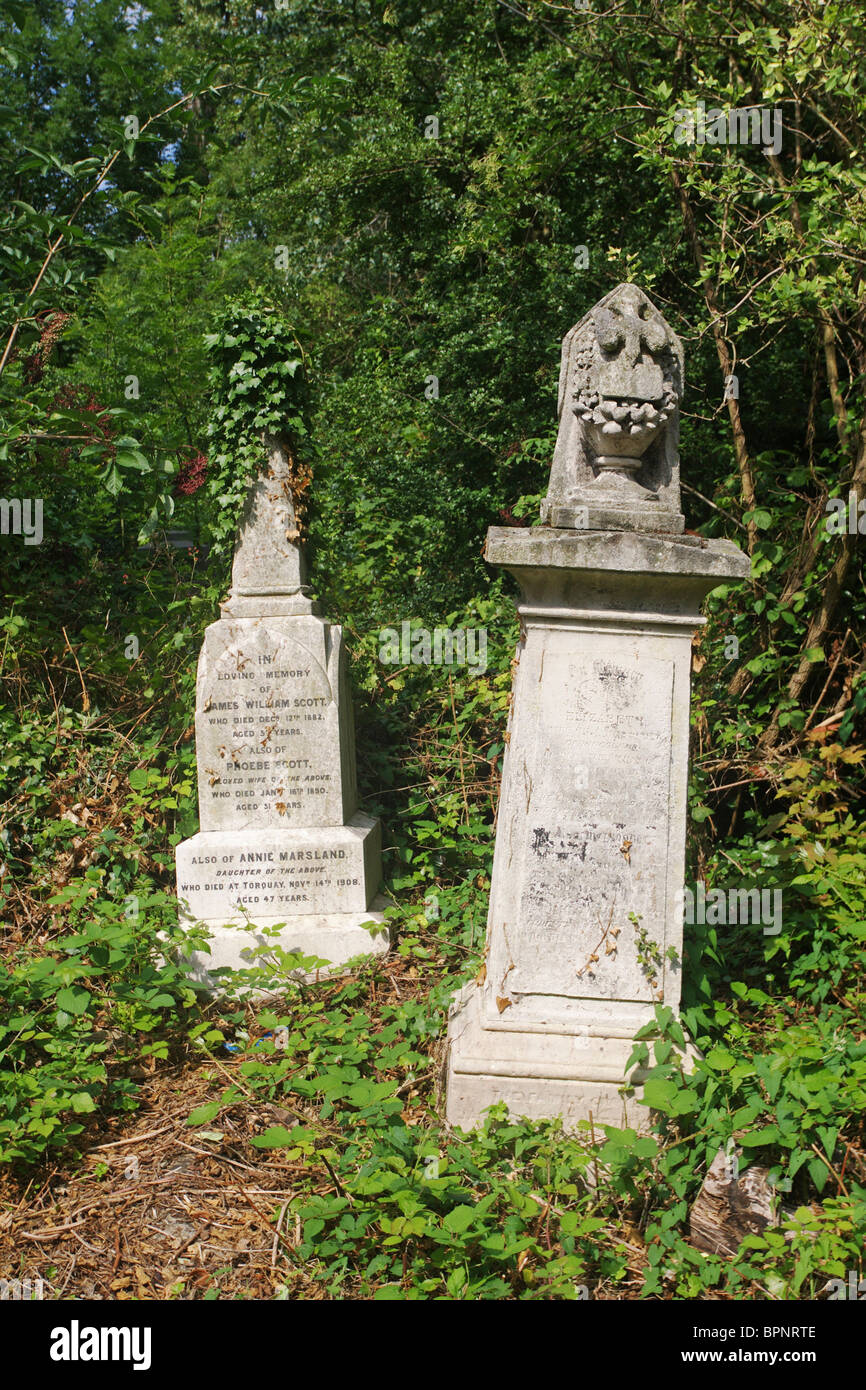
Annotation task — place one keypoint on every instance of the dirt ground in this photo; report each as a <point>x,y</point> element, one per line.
<point>159,1212</point>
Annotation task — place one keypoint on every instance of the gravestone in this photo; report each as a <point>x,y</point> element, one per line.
<point>585,919</point>
<point>281,838</point>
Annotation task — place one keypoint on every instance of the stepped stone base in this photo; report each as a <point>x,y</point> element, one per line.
<point>316,884</point>
<point>334,938</point>
<point>594,516</point>
<point>538,1075</point>
<point>273,874</point>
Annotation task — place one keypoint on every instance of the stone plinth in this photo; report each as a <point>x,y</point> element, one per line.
<point>281,840</point>
<point>590,839</point>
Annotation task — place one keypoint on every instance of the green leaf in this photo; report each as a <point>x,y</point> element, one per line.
<point>132,458</point>
<point>113,481</point>
<point>73,1000</point>
<point>205,1113</point>
<point>277,1137</point>
<point>768,1135</point>
<point>828,1139</point>
<point>369,1092</point>
<point>668,1097</point>
<point>817,1170</point>
<point>459,1219</point>
<point>720,1059</point>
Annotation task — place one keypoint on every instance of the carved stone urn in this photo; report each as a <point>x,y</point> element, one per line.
<point>616,460</point>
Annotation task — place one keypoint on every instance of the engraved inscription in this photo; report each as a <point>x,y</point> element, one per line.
<point>268,878</point>
<point>273,879</point>
<point>267,732</point>
<point>595,829</point>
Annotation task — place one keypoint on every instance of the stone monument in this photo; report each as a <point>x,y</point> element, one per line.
<point>281,839</point>
<point>585,921</point>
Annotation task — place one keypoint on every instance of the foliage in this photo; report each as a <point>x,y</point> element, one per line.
<point>258,388</point>
<point>73,1019</point>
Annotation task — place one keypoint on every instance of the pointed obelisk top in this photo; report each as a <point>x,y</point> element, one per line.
<point>269,570</point>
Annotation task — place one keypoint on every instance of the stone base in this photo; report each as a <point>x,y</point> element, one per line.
<point>596,516</point>
<point>335,938</point>
<point>269,606</point>
<point>269,875</point>
<point>538,1075</point>
<point>316,884</point>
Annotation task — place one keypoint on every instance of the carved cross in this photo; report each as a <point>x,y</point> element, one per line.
<point>623,328</point>
<point>626,325</point>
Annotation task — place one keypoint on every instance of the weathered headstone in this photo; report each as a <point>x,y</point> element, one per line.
<point>281,838</point>
<point>585,920</point>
